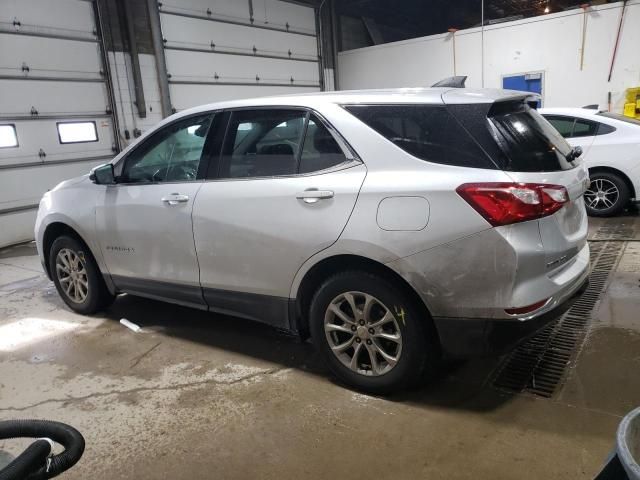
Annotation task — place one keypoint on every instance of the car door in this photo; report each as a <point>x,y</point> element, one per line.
<point>144,221</point>
<point>282,190</point>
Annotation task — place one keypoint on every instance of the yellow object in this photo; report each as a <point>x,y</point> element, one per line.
<point>629,110</point>
<point>632,104</point>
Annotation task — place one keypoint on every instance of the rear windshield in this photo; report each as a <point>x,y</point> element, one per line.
<point>529,141</point>
<point>622,118</point>
<point>428,132</point>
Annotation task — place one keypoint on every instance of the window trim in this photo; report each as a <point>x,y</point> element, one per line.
<point>95,129</point>
<point>15,134</point>
<point>202,169</point>
<point>352,158</point>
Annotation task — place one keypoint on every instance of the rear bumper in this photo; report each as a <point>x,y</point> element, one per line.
<point>477,337</point>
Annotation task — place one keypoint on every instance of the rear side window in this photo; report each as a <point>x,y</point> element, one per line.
<point>428,132</point>
<point>262,143</point>
<point>320,150</point>
<point>564,125</point>
<point>570,127</point>
<point>584,128</point>
<point>529,141</point>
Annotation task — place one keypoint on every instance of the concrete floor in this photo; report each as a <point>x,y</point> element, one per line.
<point>202,396</point>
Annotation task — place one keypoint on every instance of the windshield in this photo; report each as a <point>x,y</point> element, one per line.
<point>621,118</point>
<point>529,141</point>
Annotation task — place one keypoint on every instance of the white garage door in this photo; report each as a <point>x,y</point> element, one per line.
<point>55,120</point>
<point>227,49</point>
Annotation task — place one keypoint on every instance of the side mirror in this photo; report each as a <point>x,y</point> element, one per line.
<point>103,175</point>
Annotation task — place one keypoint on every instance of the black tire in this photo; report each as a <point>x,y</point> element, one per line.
<point>419,352</point>
<point>597,208</point>
<point>97,296</point>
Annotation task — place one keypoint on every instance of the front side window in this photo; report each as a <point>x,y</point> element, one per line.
<point>428,132</point>
<point>173,154</point>
<point>320,150</point>
<point>262,143</point>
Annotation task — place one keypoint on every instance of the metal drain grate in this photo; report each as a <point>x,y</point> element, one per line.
<point>538,366</point>
<point>614,229</point>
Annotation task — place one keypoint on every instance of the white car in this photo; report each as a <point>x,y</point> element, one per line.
<point>610,144</point>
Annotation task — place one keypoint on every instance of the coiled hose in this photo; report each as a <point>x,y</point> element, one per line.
<point>36,462</point>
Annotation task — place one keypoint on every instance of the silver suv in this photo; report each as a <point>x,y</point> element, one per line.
<point>394,227</point>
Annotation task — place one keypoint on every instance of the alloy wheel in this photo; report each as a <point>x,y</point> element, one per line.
<point>72,275</point>
<point>363,333</point>
<point>602,194</point>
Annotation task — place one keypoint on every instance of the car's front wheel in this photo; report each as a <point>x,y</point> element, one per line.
<point>607,195</point>
<point>371,334</point>
<point>77,277</point>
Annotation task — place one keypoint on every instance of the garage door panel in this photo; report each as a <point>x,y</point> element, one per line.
<point>73,16</point>
<point>197,33</point>
<point>25,186</point>
<point>185,96</point>
<point>36,135</point>
<point>17,97</point>
<point>231,9</point>
<point>53,57</point>
<point>229,68</point>
<point>298,17</point>
<point>17,227</point>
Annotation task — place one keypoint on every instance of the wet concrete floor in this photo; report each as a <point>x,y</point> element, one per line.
<point>201,396</point>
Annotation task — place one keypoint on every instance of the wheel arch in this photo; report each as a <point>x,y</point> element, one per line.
<point>329,266</point>
<point>57,229</point>
<point>620,173</point>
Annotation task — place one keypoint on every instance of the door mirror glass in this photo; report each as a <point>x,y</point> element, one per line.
<point>103,175</point>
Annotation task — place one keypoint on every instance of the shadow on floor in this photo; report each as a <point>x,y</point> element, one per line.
<point>459,385</point>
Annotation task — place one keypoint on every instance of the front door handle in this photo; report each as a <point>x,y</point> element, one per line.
<point>175,199</point>
<point>312,196</point>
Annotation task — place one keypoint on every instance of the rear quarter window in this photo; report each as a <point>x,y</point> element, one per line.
<point>428,132</point>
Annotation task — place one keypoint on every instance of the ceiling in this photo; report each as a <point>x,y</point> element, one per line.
<point>403,19</point>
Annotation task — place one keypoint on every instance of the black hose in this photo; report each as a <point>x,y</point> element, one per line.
<point>67,436</point>
<point>34,457</point>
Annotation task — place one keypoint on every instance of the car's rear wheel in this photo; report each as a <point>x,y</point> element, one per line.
<point>371,334</point>
<point>607,195</point>
<point>77,277</point>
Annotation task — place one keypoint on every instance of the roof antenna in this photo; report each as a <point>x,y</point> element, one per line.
<point>452,82</point>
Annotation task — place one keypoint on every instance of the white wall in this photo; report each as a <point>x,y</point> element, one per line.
<point>550,44</point>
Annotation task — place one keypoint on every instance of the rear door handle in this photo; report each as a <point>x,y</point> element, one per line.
<point>175,199</point>
<point>312,196</point>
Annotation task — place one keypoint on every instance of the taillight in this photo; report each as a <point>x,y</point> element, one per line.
<point>505,203</point>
